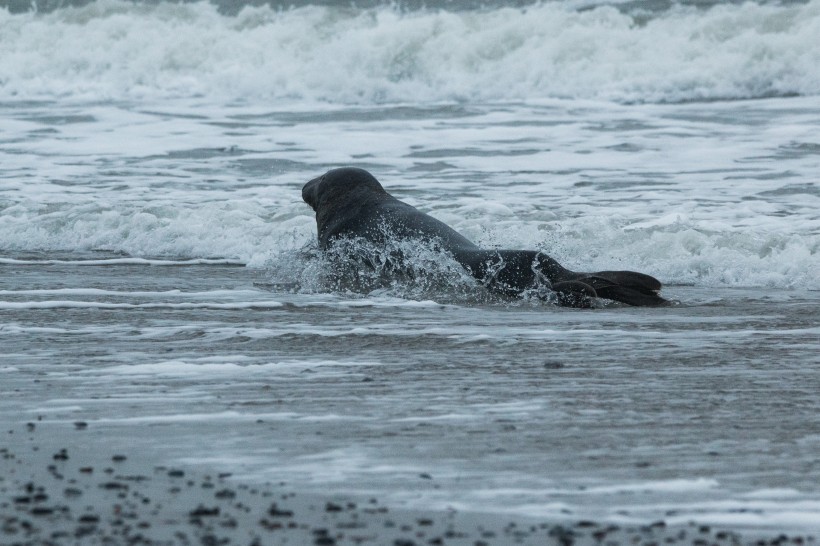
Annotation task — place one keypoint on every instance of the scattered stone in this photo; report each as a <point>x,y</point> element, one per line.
<point>201,511</point>
<point>114,485</point>
<point>120,511</point>
<point>225,494</point>
<point>277,513</point>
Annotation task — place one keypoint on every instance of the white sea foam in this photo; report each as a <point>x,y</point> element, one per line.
<point>682,485</point>
<point>121,261</point>
<point>235,365</point>
<point>113,49</point>
<point>226,416</point>
<point>74,304</point>
<point>126,293</point>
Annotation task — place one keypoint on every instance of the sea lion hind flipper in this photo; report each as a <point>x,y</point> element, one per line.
<point>628,287</point>
<point>631,279</point>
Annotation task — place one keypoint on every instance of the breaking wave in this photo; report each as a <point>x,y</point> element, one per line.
<point>111,49</point>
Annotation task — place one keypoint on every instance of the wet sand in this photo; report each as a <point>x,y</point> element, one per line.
<point>63,489</point>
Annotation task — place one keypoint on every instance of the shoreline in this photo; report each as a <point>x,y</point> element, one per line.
<point>85,495</point>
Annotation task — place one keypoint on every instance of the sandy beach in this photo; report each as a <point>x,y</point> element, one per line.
<point>82,494</point>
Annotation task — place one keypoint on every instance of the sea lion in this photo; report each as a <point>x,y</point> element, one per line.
<point>350,202</point>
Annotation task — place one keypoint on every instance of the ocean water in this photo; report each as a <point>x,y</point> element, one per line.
<point>159,276</point>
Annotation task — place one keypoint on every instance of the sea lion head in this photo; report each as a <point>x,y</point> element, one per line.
<point>344,201</point>
<point>340,186</point>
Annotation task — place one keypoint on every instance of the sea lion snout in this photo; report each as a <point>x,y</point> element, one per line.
<point>310,192</point>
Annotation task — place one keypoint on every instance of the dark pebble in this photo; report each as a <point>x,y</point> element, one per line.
<point>84,530</point>
<point>277,513</point>
<point>80,425</point>
<point>118,458</point>
<point>201,511</point>
<point>270,525</point>
<point>333,507</point>
<point>114,486</point>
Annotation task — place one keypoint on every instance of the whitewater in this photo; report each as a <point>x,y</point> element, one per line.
<point>160,278</point>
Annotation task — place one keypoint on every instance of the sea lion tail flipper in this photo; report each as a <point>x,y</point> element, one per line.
<point>627,287</point>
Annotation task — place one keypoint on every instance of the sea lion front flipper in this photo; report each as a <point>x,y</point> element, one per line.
<point>574,294</point>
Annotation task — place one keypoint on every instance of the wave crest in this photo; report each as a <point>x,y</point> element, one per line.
<point>115,49</point>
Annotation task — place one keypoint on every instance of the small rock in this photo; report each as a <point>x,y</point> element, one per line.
<point>201,511</point>
<point>277,513</point>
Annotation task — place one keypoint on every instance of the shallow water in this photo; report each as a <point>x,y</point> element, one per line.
<point>706,410</point>
<point>159,277</point>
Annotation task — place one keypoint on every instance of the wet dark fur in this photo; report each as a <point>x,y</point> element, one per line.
<point>350,202</point>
